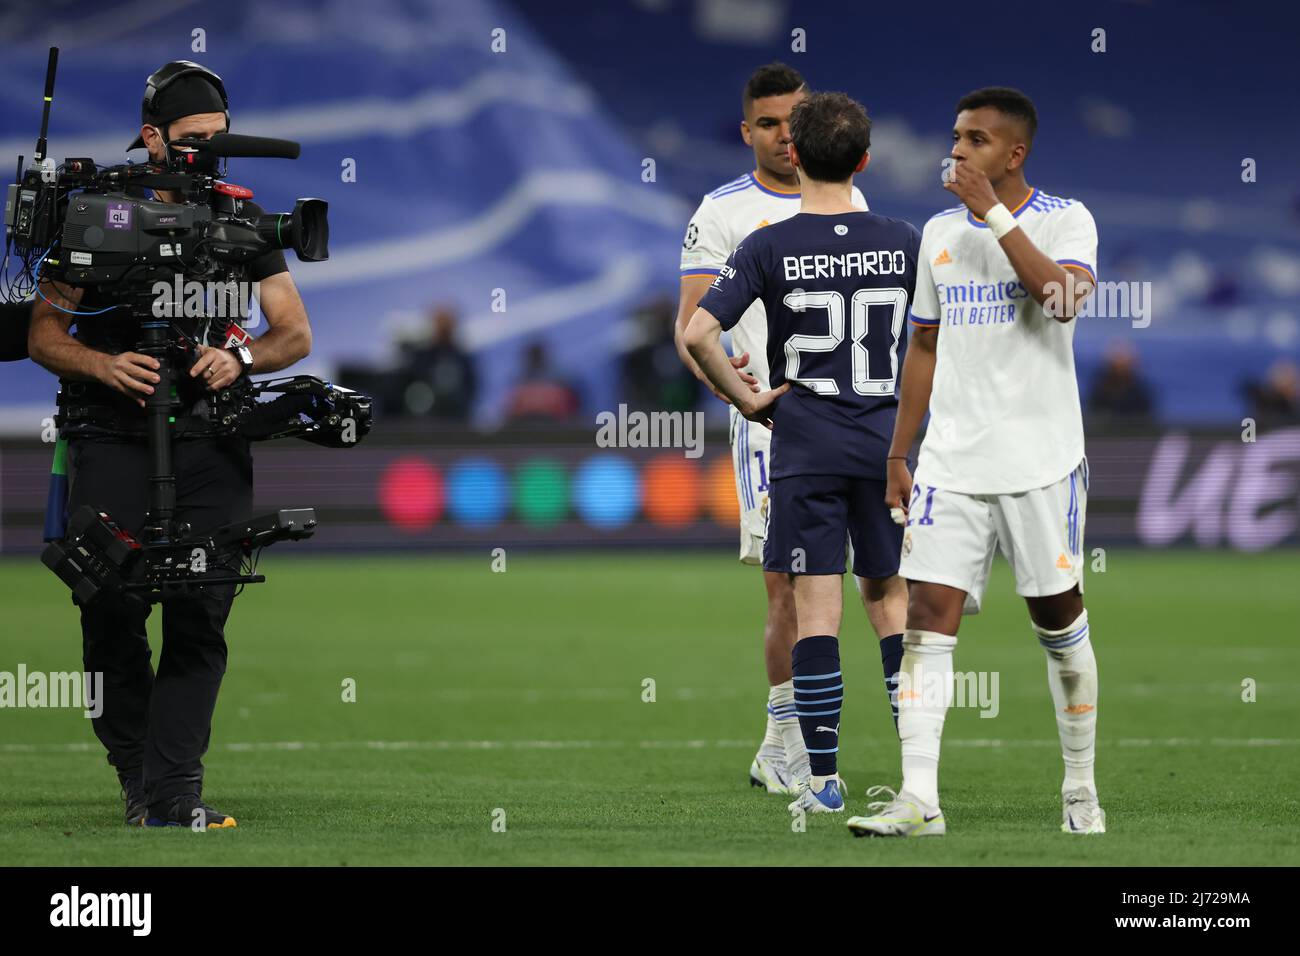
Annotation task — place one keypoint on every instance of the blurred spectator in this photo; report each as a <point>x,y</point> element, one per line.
<point>1119,393</point>
<point>1276,400</point>
<point>541,395</point>
<point>438,375</point>
<point>654,377</point>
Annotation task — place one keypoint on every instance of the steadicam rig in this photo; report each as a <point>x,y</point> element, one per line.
<point>90,227</point>
<point>307,408</point>
<point>97,557</point>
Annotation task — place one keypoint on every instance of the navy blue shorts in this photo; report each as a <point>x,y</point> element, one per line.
<point>809,518</point>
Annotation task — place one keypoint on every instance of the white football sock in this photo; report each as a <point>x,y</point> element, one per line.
<point>924,694</point>
<point>780,711</point>
<point>1072,675</point>
<point>817,784</point>
<point>773,746</point>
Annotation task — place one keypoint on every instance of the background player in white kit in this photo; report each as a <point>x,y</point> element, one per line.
<point>1002,464</point>
<point>725,217</point>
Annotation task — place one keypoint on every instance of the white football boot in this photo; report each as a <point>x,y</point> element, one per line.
<point>902,816</point>
<point>830,799</point>
<point>1081,814</point>
<point>770,772</point>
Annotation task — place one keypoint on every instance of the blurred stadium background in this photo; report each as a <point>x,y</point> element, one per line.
<point>501,272</point>
<point>485,178</point>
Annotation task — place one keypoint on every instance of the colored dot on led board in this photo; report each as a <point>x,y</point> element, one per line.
<point>411,494</point>
<point>606,492</point>
<point>671,490</point>
<point>541,492</point>
<point>477,492</point>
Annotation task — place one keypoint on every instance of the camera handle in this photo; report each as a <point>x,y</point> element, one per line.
<point>158,523</point>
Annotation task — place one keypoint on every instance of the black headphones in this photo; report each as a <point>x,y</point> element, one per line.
<point>171,72</point>
<point>168,74</point>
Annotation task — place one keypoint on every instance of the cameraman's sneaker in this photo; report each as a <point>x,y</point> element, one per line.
<point>771,774</point>
<point>187,810</point>
<point>830,799</point>
<point>903,816</point>
<point>1081,813</point>
<point>137,804</point>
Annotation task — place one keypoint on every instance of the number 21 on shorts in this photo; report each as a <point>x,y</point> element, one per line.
<point>929,503</point>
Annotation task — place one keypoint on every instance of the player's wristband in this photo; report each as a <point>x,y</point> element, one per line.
<point>1000,220</point>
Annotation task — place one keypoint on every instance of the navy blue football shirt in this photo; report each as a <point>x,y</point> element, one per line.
<point>837,290</point>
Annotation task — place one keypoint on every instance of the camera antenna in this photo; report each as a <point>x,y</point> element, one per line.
<point>49,98</point>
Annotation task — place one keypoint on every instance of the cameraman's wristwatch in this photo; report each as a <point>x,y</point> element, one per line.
<point>245,357</point>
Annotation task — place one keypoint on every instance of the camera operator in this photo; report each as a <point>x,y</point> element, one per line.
<point>156,727</point>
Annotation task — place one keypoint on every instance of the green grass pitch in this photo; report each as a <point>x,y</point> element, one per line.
<point>522,692</point>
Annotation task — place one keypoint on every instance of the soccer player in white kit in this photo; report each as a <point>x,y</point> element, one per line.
<point>1002,465</point>
<point>725,217</point>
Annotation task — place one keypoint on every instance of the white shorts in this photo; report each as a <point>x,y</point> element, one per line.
<point>751,460</point>
<point>951,537</point>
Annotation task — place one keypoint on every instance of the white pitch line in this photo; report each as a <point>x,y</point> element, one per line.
<point>262,746</point>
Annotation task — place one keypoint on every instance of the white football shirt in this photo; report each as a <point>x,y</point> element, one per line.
<point>725,217</point>
<point>1004,409</point>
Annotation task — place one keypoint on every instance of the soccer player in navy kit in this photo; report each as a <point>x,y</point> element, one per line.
<point>836,284</point>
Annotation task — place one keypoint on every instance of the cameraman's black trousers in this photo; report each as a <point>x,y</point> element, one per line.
<point>156,727</point>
